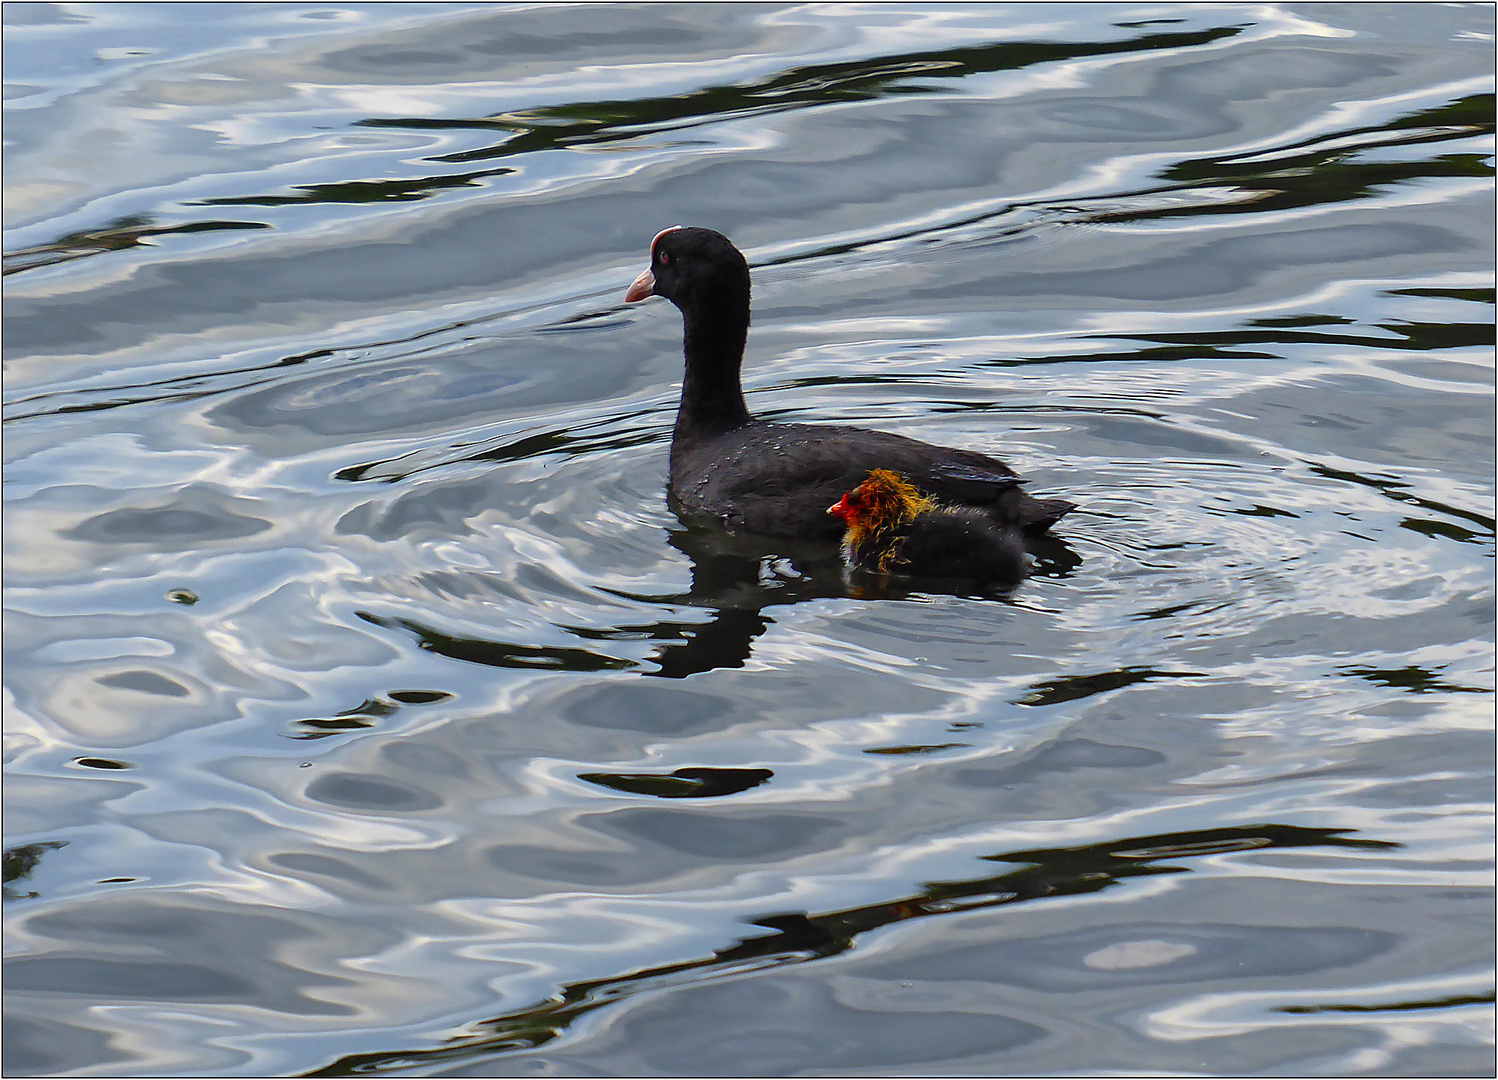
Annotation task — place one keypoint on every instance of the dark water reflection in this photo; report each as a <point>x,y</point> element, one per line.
<point>798,937</point>
<point>368,709</point>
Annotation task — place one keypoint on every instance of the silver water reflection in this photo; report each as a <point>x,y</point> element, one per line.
<point>367,708</point>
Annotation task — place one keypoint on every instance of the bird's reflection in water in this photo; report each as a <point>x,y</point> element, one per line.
<point>738,577</point>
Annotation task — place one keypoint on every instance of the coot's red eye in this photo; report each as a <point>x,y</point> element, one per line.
<point>665,257</point>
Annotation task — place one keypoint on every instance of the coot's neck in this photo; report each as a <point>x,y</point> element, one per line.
<point>711,400</point>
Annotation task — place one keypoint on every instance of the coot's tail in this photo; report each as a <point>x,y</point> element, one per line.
<point>1031,515</point>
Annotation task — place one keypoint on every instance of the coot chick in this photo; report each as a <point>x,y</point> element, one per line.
<point>774,479</point>
<point>891,528</point>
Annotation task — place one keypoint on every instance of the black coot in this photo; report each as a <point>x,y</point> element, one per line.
<point>776,479</point>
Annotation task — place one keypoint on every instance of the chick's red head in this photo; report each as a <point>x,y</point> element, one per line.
<point>882,500</point>
<point>849,506</point>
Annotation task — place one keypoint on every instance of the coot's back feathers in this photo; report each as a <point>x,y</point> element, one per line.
<point>776,479</point>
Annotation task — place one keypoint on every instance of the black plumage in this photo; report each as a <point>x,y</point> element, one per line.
<point>774,479</point>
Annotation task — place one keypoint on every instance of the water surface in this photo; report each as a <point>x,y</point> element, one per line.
<point>367,708</point>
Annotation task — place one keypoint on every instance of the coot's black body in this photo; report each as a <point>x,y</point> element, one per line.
<point>774,479</point>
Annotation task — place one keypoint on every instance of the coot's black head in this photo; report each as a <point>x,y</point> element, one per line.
<point>698,270</point>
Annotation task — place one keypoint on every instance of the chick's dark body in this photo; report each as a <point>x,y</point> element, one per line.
<point>948,543</point>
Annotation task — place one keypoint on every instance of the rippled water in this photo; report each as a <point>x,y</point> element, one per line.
<point>368,709</point>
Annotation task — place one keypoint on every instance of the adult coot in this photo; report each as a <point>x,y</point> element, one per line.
<point>891,528</point>
<point>776,479</point>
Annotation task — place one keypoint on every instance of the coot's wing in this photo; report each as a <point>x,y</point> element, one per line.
<point>964,477</point>
<point>977,485</point>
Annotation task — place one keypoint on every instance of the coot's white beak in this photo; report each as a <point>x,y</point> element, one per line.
<point>644,286</point>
